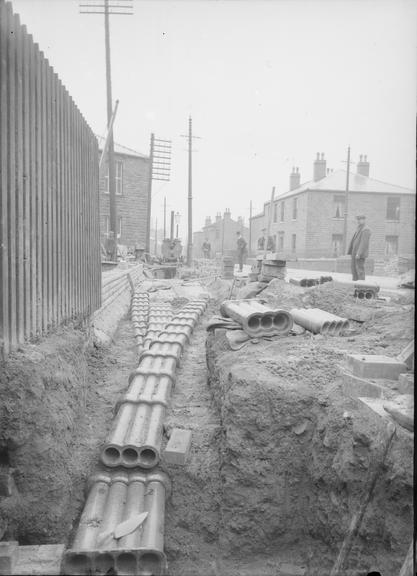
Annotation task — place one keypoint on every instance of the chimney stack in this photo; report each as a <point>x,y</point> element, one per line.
<point>208,221</point>
<point>227,213</point>
<point>319,167</point>
<point>218,217</point>
<point>295,178</point>
<point>363,165</point>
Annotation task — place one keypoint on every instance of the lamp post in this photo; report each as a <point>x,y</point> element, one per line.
<point>177,221</point>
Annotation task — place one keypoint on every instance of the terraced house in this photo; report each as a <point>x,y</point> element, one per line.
<point>308,219</point>
<point>132,185</point>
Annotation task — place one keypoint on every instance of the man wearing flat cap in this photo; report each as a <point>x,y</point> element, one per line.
<point>359,248</point>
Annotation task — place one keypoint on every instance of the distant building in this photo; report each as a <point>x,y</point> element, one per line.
<point>307,221</point>
<point>221,233</point>
<point>132,181</point>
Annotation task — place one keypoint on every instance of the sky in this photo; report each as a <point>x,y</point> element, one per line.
<point>268,85</point>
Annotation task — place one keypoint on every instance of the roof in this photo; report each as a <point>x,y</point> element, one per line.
<point>120,149</point>
<point>336,181</point>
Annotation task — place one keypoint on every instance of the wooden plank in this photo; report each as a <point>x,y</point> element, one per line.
<point>71,206</point>
<point>19,288</point>
<point>44,194</point>
<point>27,280</point>
<point>32,180</point>
<point>97,228</point>
<point>60,191</point>
<point>11,167</point>
<point>4,187</point>
<point>48,190</point>
<point>54,197</point>
<point>66,243</point>
<point>39,195</point>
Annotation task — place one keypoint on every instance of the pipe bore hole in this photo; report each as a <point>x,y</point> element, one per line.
<point>77,564</point>
<point>361,295</point>
<point>148,457</point>
<point>253,322</point>
<point>104,562</point>
<point>266,321</point>
<point>126,563</point>
<point>111,456</point>
<point>150,564</point>
<point>325,327</point>
<point>368,295</point>
<point>130,455</point>
<point>281,321</point>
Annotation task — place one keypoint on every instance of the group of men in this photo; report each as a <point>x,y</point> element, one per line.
<point>358,248</point>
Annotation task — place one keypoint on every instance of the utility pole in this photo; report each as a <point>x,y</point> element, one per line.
<point>271,205</point>
<point>156,236</point>
<point>165,216</point>
<point>190,137</point>
<point>250,228</point>
<point>149,211</point>
<point>114,8</point>
<point>345,223</point>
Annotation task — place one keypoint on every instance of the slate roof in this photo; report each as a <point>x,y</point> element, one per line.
<point>120,149</point>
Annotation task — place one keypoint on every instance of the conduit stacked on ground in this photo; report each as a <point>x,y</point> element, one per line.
<point>256,319</point>
<point>115,497</point>
<point>139,317</point>
<point>319,322</point>
<point>136,435</point>
<point>160,313</point>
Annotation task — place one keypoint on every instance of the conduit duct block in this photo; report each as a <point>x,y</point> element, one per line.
<point>375,366</point>
<point>113,498</point>
<point>319,321</point>
<point>257,319</point>
<point>178,447</point>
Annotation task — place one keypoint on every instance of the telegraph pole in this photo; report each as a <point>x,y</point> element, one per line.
<point>149,210</point>
<point>156,237</point>
<point>190,192</point>
<point>160,169</point>
<point>165,217</point>
<point>114,8</point>
<point>250,227</point>
<point>190,137</point>
<point>345,223</point>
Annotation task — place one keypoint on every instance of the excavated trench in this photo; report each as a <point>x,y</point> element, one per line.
<point>278,464</point>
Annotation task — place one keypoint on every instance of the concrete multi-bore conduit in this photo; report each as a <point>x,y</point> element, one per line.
<point>114,497</point>
<point>135,441</point>
<point>319,322</point>
<point>136,435</point>
<point>256,319</point>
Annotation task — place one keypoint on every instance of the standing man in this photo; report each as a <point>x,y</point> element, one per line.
<point>242,250</point>
<point>359,248</point>
<point>206,248</point>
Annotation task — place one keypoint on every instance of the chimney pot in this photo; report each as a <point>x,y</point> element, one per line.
<point>363,166</point>
<point>318,156</point>
<point>294,178</point>
<point>319,167</point>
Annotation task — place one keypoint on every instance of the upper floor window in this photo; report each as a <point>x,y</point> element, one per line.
<point>393,209</point>
<point>276,212</point>
<point>339,206</point>
<point>280,240</point>
<point>119,178</point>
<point>294,208</point>
<point>282,211</point>
<point>294,243</point>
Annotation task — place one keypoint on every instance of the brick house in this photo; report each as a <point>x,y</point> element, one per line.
<point>308,220</point>
<point>221,234</point>
<point>132,182</point>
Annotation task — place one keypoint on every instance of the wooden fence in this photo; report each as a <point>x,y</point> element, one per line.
<point>49,214</point>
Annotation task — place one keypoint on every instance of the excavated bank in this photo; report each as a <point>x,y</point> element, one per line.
<point>295,457</point>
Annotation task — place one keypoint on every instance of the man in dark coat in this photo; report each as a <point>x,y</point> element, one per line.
<point>242,250</point>
<point>359,248</point>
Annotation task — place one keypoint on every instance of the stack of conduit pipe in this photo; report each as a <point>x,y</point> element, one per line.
<point>119,495</point>
<point>319,322</point>
<point>256,319</point>
<point>114,497</point>
<point>139,316</point>
<point>136,435</point>
<point>160,313</point>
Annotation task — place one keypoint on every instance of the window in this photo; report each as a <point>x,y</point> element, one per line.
<point>294,242</point>
<point>393,209</point>
<point>119,178</point>
<point>337,241</point>
<point>276,212</point>
<point>294,209</point>
<point>107,225</point>
<point>391,245</point>
<point>280,240</point>
<point>339,206</point>
<point>282,211</point>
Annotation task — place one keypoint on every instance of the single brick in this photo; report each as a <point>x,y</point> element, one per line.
<point>178,446</point>
<point>8,556</point>
<point>375,366</point>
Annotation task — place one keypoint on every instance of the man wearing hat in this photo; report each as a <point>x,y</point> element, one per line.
<point>359,248</point>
